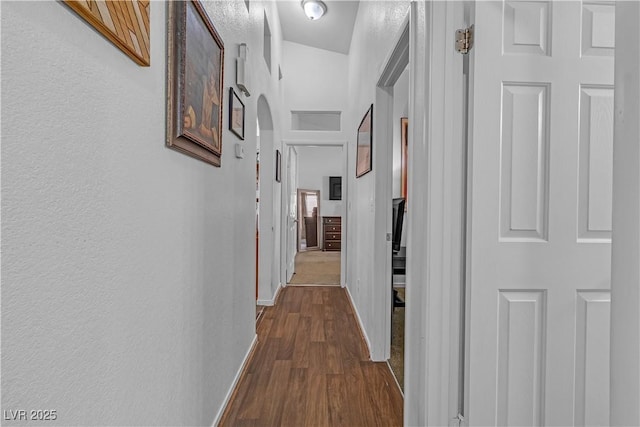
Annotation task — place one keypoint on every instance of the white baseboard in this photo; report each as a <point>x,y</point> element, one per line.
<point>271,301</point>
<point>360,324</point>
<point>235,382</point>
<point>394,377</point>
<point>324,285</point>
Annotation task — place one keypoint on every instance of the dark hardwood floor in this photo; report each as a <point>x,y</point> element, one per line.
<point>310,367</point>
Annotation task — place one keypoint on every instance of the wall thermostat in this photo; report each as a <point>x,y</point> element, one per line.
<point>239,151</point>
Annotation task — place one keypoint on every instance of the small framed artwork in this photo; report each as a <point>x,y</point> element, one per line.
<point>404,132</point>
<point>278,166</point>
<point>110,18</point>
<point>194,82</point>
<point>236,114</point>
<point>364,160</point>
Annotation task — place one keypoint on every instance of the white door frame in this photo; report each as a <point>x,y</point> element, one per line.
<point>286,191</point>
<point>269,280</point>
<point>436,243</point>
<point>394,64</point>
<point>625,277</point>
<point>286,143</point>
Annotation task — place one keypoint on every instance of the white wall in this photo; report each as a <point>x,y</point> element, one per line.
<point>315,166</point>
<point>376,27</point>
<point>128,297</point>
<point>314,80</point>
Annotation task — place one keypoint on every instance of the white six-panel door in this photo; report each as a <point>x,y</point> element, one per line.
<point>292,213</point>
<point>540,213</point>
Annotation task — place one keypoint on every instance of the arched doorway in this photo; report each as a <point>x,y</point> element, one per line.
<point>268,195</point>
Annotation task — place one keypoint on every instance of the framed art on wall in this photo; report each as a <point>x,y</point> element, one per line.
<point>404,135</point>
<point>125,23</point>
<point>236,114</point>
<point>194,82</point>
<point>364,161</point>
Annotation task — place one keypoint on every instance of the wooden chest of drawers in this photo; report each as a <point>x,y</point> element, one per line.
<point>331,233</point>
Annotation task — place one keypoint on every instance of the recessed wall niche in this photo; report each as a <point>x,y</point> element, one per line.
<point>316,120</point>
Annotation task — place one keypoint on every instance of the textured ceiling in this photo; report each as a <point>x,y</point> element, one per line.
<point>332,32</point>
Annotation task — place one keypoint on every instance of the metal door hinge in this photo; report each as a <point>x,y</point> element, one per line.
<point>458,420</point>
<point>464,40</point>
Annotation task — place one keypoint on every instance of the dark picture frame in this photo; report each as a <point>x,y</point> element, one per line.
<point>364,155</point>
<point>278,166</point>
<point>195,72</point>
<point>236,114</point>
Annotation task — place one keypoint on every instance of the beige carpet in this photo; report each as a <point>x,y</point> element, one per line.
<point>396,361</point>
<point>317,268</point>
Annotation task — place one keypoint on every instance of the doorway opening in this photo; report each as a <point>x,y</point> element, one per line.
<point>399,227</point>
<point>268,194</point>
<point>314,253</point>
<point>392,101</point>
<point>308,224</point>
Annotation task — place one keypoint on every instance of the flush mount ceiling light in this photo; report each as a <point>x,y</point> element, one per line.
<point>314,9</point>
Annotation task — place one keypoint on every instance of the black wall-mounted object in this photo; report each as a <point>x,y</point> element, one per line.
<point>398,218</point>
<point>335,188</point>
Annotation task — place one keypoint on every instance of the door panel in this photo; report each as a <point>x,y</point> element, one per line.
<point>521,338</point>
<point>593,319</point>
<point>292,221</point>
<point>524,162</point>
<point>308,222</point>
<point>540,213</point>
<point>596,162</point>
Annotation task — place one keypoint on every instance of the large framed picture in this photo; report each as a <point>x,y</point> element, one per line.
<point>236,114</point>
<point>404,134</point>
<point>364,160</point>
<point>194,83</point>
<point>125,23</point>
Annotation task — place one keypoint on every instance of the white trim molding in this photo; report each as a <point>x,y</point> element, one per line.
<point>625,270</point>
<point>394,64</point>
<point>234,383</point>
<point>272,301</point>
<point>363,331</point>
<point>435,246</point>
<point>314,142</point>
